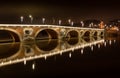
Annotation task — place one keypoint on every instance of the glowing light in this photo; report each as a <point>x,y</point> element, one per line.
<point>92,48</point>
<point>45,57</point>
<point>24,62</point>
<point>81,51</point>
<point>25,59</point>
<point>110,42</point>
<point>21,18</point>
<point>72,23</point>
<point>69,21</point>
<point>33,66</point>
<point>60,22</point>
<point>105,44</point>
<point>43,20</point>
<point>31,17</point>
<point>82,23</point>
<point>69,55</point>
<point>98,45</point>
<point>114,41</point>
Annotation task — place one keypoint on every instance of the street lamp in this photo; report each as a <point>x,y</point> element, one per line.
<point>72,23</point>
<point>31,17</point>
<point>43,20</point>
<point>60,22</point>
<point>82,23</point>
<point>21,19</point>
<point>69,21</point>
<point>90,25</point>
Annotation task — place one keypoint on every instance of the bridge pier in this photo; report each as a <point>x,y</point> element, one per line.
<point>27,34</point>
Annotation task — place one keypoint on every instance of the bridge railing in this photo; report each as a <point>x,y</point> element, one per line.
<point>35,25</point>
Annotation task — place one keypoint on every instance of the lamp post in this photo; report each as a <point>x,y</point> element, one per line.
<point>72,23</point>
<point>82,23</point>
<point>21,19</point>
<point>43,20</point>
<point>59,22</point>
<point>69,21</point>
<point>31,18</point>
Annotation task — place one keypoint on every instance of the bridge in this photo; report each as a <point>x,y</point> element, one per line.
<point>25,32</point>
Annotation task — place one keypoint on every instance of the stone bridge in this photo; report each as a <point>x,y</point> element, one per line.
<point>24,32</point>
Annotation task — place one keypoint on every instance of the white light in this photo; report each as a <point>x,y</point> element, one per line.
<point>30,57</point>
<point>114,41</point>
<point>82,23</point>
<point>105,44</point>
<point>31,17</point>
<point>98,45</point>
<point>24,62</point>
<point>110,42</point>
<point>69,20</point>
<point>81,51</point>
<point>45,57</point>
<point>43,20</point>
<point>21,18</point>
<point>33,66</point>
<point>69,55</point>
<point>72,23</point>
<point>60,22</point>
<point>92,48</point>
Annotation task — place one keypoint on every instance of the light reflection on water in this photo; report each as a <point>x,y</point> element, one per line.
<point>43,48</point>
<point>8,49</point>
<point>80,50</point>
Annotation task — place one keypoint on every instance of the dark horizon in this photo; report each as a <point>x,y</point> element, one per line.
<point>101,10</point>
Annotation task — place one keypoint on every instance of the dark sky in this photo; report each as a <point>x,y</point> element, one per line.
<point>10,11</point>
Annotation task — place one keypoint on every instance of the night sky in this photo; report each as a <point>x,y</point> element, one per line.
<point>10,11</point>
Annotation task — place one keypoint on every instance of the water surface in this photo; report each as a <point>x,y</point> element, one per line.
<point>98,60</point>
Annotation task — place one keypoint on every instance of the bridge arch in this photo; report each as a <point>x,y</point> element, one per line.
<point>46,33</point>
<point>9,35</point>
<point>86,34</point>
<point>95,33</point>
<point>73,42</point>
<point>101,33</point>
<point>72,34</point>
<point>47,46</point>
<point>12,50</point>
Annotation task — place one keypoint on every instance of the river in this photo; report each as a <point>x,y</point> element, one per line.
<point>61,58</point>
